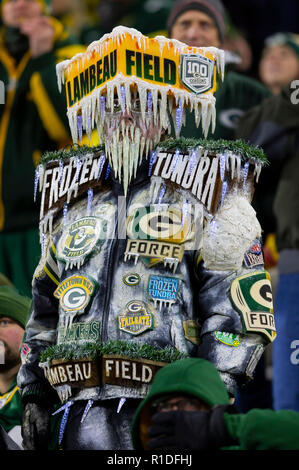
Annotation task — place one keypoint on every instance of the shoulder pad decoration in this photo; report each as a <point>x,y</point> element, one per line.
<point>205,171</point>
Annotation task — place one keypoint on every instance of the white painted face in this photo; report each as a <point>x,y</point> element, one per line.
<point>130,133</point>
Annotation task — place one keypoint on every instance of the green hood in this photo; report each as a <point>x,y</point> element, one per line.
<point>193,376</point>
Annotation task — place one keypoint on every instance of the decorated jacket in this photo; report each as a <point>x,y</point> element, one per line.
<point>32,121</point>
<point>128,284</point>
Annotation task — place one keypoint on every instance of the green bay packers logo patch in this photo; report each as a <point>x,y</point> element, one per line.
<point>149,223</point>
<point>79,239</point>
<point>136,319</point>
<point>158,235</point>
<point>252,296</point>
<point>230,339</point>
<point>131,279</point>
<point>75,293</point>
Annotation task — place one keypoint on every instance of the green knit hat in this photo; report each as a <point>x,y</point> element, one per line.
<point>192,376</point>
<point>13,305</point>
<point>284,39</point>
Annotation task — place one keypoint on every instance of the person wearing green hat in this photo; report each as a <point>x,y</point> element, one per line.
<point>14,309</point>
<point>279,64</point>
<point>32,121</point>
<point>188,408</point>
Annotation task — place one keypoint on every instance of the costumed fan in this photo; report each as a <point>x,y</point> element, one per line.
<point>150,247</point>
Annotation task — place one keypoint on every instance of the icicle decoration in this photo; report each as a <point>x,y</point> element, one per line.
<point>107,172</point>
<point>36,180</point>
<point>80,127</point>
<point>66,409</point>
<point>78,167</point>
<point>102,107</point>
<point>65,211</point>
<point>223,191</point>
<point>89,200</point>
<point>175,159</point>
<point>222,164</point>
<point>101,165</point>
<point>86,410</point>
<point>123,98</point>
<point>149,104</point>
<point>179,118</point>
<point>60,170</point>
<point>245,174</point>
<point>43,243</point>
<point>192,161</point>
<point>162,193</point>
<point>153,159</point>
<point>120,404</point>
<point>186,207</point>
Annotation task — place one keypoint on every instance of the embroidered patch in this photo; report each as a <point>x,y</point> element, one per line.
<point>75,293</point>
<point>131,279</point>
<point>79,239</point>
<point>87,331</point>
<point>155,252</point>
<point>196,72</point>
<point>230,339</point>
<point>254,256</point>
<point>252,296</point>
<point>163,290</point>
<point>191,331</point>
<point>136,319</point>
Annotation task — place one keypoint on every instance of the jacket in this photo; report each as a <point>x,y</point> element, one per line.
<point>274,126</point>
<point>32,120</point>
<point>119,272</point>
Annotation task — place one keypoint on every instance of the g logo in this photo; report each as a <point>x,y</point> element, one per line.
<point>131,279</point>
<point>74,299</point>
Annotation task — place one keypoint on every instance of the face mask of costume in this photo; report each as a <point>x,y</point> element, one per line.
<point>130,87</point>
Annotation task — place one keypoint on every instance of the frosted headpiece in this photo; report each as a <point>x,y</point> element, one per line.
<point>151,79</point>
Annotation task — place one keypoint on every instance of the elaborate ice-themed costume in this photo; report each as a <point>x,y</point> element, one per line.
<point>150,251</point>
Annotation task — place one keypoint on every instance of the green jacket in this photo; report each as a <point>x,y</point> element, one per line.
<point>235,95</point>
<point>255,430</point>
<point>32,120</point>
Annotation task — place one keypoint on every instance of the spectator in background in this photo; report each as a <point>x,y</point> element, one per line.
<point>279,64</point>
<point>32,120</point>
<point>14,310</point>
<point>187,408</point>
<point>274,125</point>
<point>201,23</point>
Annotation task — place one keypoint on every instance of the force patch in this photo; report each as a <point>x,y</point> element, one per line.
<point>79,239</point>
<point>197,72</point>
<point>251,295</point>
<point>131,279</point>
<point>230,339</point>
<point>163,290</point>
<point>75,293</point>
<point>136,319</point>
<point>254,256</point>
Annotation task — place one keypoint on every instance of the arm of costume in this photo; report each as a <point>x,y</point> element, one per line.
<point>264,429</point>
<point>40,333</point>
<point>50,103</point>
<point>234,293</point>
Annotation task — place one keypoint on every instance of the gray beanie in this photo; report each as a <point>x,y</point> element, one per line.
<point>213,8</point>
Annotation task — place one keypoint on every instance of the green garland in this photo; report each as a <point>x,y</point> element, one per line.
<point>73,151</point>
<point>73,351</point>
<point>239,146</point>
